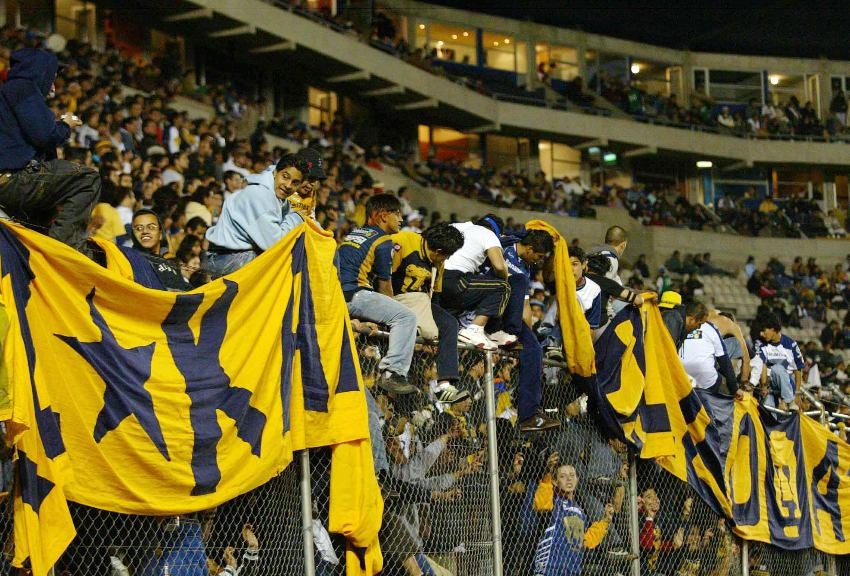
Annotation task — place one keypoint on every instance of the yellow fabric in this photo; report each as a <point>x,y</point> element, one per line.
<point>544,496</point>
<point>112,226</point>
<point>244,339</point>
<point>578,344</point>
<point>594,535</point>
<point>5,392</point>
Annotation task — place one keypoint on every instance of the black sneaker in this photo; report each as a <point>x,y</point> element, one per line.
<point>538,423</point>
<point>395,384</point>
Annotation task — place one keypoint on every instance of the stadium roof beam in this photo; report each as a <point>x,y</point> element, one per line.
<point>598,142</point>
<point>737,165</point>
<point>190,15</point>
<point>237,31</point>
<point>276,47</point>
<point>486,128</point>
<point>394,89</point>
<point>640,151</point>
<point>350,77</point>
<point>426,103</point>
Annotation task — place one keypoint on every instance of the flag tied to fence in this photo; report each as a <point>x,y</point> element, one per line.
<point>141,401</point>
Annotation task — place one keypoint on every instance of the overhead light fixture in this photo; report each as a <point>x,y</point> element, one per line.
<point>440,43</point>
<point>635,68</point>
<point>704,164</point>
<point>593,150</point>
<point>422,26</point>
<point>454,36</point>
<point>495,43</point>
<point>609,158</point>
<point>774,79</point>
<point>507,40</point>
<point>465,34</point>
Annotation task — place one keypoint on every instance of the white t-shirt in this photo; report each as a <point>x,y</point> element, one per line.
<point>698,352</point>
<point>476,241</point>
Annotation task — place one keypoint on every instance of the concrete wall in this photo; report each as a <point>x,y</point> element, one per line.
<point>728,251</point>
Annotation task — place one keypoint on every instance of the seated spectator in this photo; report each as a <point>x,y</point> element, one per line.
<point>413,258</point>
<point>465,289</point>
<point>32,180</point>
<point>560,551</point>
<point>365,261</point>
<point>781,364</point>
<point>105,217</point>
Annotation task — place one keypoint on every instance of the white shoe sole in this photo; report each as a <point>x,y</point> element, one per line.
<point>480,345</point>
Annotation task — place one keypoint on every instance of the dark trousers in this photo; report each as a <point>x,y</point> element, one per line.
<point>486,295</point>
<point>447,328</point>
<point>55,196</point>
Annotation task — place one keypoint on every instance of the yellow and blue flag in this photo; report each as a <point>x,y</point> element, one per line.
<point>141,401</point>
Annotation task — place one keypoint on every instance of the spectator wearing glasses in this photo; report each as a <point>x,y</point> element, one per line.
<point>147,240</point>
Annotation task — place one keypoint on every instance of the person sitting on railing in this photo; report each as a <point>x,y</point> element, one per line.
<point>561,549</point>
<point>782,363</point>
<point>464,288</point>
<point>414,256</point>
<point>365,260</point>
<point>54,195</point>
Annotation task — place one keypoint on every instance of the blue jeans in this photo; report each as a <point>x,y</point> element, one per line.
<point>781,382</point>
<point>376,436</point>
<point>222,264</point>
<point>376,307</point>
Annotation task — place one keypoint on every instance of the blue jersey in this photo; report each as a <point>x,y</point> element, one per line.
<point>365,255</point>
<point>785,353</point>
<point>560,550</point>
<point>516,265</point>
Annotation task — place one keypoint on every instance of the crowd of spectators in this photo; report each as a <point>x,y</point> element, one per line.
<point>165,179</point>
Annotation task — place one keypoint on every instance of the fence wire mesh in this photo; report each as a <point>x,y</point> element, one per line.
<point>566,499</point>
<point>256,533</point>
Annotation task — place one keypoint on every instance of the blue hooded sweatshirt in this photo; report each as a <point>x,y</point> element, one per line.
<point>28,128</point>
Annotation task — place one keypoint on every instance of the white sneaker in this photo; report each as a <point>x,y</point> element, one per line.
<point>475,335</point>
<point>502,338</point>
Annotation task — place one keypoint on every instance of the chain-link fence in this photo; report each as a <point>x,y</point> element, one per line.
<point>466,494</point>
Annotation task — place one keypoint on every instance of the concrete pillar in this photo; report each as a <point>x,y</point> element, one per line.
<point>531,60</point>
<point>581,57</point>
<point>410,30</point>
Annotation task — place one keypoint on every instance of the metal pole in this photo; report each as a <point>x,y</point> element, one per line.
<point>307,515</point>
<point>745,558</point>
<point>634,521</point>
<point>493,466</point>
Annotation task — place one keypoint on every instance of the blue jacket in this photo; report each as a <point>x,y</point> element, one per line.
<point>28,128</point>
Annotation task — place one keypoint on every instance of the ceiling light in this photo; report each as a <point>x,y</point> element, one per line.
<point>495,43</point>
<point>774,80</point>
<point>422,26</point>
<point>635,68</point>
<point>507,40</point>
<point>593,150</point>
<point>454,36</point>
<point>465,34</point>
<point>704,164</point>
<point>440,43</point>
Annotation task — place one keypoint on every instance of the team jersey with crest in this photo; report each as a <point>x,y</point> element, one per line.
<point>411,266</point>
<point>364,256</point>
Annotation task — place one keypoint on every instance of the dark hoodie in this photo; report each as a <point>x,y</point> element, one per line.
<point>28,128</point>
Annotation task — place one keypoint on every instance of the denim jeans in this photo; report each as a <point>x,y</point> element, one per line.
<point>376,435</point>
<point>377,307</point>
<point>222,264</point>
<point>780,383</point>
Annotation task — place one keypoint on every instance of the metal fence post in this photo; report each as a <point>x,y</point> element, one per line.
<point>493,466</point>
<point>307,515</point>
<point>745,558</point>
<point>634,521</point>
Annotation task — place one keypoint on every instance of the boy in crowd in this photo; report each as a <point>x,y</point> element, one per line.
<point>780,364</point>
<point>414,255</point>
<point>365,261</point>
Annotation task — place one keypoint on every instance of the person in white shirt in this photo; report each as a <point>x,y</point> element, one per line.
<point>779,364</point>
<point>464,288</point>
<point>703,353</point>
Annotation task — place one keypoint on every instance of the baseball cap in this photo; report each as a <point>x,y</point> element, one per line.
<point>670,299</point>
<point>315,163</point>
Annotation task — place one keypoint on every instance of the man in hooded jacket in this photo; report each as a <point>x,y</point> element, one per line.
<point>35,186</point>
